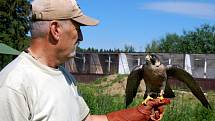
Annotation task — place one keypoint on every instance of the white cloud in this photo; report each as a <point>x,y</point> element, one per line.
<point>202,10</point>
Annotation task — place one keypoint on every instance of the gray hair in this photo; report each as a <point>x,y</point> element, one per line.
<point>41,28</point>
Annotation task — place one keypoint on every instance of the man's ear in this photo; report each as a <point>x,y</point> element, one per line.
<point>55,32</point>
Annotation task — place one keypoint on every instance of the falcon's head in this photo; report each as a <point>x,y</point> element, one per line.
<point>152,59</point>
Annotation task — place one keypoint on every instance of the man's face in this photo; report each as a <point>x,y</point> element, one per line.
<point>70,39</point>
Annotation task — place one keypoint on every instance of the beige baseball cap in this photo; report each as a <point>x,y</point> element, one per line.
<point>59,10</point>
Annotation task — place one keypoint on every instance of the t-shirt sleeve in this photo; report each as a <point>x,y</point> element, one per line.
<point>84,109</point>
<point>13,106</point>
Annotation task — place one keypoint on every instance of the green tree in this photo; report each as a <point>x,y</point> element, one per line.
<point>153,47</point>
<point>201,40</point>
<point>14,25</point>
<point>170,44</point>
<point>129,48</point>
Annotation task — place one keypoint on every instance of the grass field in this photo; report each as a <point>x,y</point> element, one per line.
<point>184,107</point>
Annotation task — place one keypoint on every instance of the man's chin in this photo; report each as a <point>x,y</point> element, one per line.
<point>68,58</point>
<point>72,55</point>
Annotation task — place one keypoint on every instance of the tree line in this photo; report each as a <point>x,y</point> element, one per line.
<point>200,40</point>
<point>127,49</point>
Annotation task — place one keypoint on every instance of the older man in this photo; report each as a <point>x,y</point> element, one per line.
<point>34,87</point>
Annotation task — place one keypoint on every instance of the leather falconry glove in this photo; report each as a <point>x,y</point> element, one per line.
<point>142,112</point>
<point>157,113</point>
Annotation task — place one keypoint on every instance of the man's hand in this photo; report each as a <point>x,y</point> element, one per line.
<point>157,114</point>
<point>157,110</point>
<point>152,110</point>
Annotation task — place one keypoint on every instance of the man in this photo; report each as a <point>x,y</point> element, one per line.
<point>34,87</point>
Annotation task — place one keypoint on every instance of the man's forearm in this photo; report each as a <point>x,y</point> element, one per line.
<point>96,118</point>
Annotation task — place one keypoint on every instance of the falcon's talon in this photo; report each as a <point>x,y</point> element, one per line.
<point>161,97</point>
<point>148,98</point>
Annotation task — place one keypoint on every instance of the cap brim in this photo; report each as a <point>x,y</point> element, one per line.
<point>86,20</point>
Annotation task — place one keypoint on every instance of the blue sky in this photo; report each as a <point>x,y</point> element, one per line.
<point>138,22</point>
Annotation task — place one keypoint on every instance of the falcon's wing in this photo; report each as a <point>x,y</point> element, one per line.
<point>168,93</point>
<point>185,77</point>
<point>133,82</point>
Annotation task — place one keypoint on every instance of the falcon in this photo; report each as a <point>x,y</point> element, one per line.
<point>156,76</point>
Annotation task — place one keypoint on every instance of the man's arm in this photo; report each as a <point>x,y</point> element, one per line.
<point>96,118</point>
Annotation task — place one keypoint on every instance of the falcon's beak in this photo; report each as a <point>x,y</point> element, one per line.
<point>152,59</point>
<point>157,63</point>
<point>148,59</point>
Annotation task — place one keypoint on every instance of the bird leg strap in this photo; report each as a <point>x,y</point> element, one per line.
<point>142,112</point>
<point>161,94</point>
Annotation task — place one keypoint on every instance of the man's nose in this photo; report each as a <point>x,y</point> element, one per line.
<point>80,36</point>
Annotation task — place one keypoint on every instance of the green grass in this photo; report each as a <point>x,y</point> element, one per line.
<point>185,107</point>
<point>188,108</point>
<point>98,102</point>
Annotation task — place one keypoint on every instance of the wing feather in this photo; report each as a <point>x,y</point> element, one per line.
<point>168,93</point>
<point>185,77</point>
<point>133,83</point>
